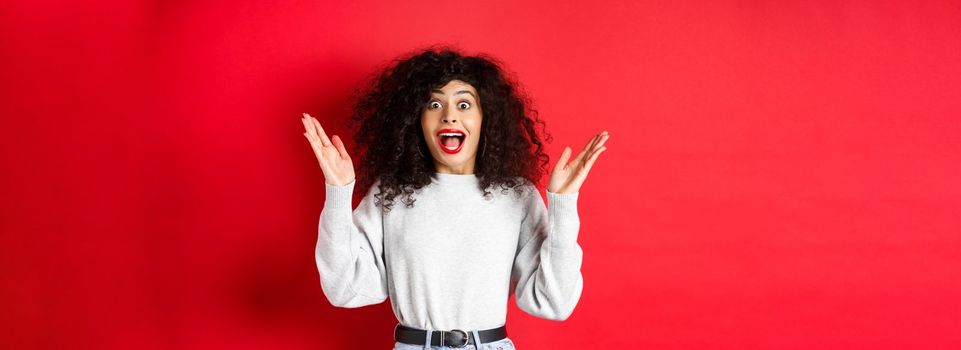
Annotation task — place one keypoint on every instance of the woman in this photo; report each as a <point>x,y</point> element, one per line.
<point>443,130</point>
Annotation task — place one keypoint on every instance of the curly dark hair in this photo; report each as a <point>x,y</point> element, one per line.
<point>389,106</point>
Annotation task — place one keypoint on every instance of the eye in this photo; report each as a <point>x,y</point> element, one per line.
<point>463,105</point>
<point>434,105</point>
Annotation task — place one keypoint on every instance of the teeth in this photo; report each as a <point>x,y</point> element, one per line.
<point>451,134</point>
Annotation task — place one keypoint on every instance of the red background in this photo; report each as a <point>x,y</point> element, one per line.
<point>780,174</point>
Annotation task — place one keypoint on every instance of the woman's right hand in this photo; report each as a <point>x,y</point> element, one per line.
<point>333,158</point>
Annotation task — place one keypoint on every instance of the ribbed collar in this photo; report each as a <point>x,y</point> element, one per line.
<point>456,178</point>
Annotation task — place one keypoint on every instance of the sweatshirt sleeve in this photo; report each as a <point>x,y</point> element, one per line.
<point>546,278</point>
<point>350,249</point>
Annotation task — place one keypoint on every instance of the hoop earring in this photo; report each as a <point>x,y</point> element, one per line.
<point>426,155</point>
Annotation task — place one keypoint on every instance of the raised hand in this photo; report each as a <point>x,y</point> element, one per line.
<point>333,158</point>
<point>568,178</point>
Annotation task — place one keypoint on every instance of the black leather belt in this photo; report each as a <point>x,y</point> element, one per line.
<point>453,338</point>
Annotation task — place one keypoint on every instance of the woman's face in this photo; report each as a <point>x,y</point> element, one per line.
<point>451,123</point>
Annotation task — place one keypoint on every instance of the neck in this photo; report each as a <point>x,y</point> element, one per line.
<point>464,169</point>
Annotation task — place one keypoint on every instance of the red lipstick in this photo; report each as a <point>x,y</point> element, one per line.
<point>451,133</point>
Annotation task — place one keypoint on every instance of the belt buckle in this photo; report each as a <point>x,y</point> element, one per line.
<point>465,338</point>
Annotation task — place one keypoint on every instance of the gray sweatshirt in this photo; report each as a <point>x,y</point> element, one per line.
<point>453,260</point>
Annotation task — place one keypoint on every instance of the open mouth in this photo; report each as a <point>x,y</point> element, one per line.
<point>451,140</point>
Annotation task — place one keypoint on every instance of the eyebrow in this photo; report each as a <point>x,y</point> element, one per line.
<point>459,92</point>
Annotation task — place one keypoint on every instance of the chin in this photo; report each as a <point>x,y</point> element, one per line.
<point>453,160</point>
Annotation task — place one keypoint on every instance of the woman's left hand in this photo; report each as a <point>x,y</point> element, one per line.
<point>567,178</point>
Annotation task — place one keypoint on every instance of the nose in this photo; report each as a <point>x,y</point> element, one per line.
<point>448,117</point>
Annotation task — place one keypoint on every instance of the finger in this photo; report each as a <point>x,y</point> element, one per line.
<point>596,144</point>
<point>339,144</point>
<point>321,133</point>
<point>311,133</point>
<point>598,141</point>
<point>585,150</point>
<point>307,125</point>
<point>601,141</point>
<point>590,161</point>
<point>315,145</point>
<point>562,161</point>
<point>309,139</point>
<point>314,134</point>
